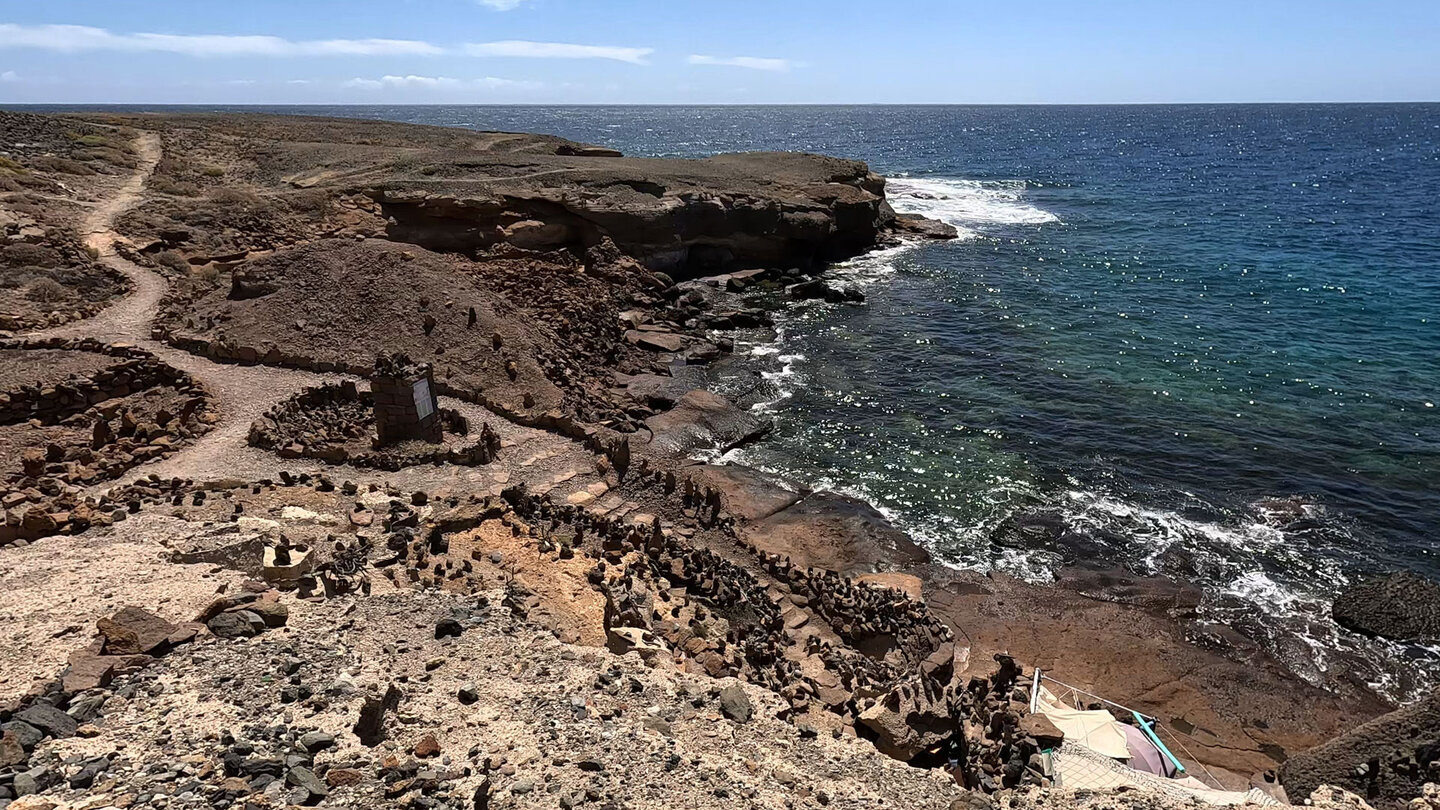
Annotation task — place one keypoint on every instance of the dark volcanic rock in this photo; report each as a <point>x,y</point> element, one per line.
<point>923,226</point>
<point>1387,759</point>
<point>48,719</point>
<point>735,704</point>
<point>1398,606</point>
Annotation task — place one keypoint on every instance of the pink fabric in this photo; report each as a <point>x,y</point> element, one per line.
<point>1144,756</point>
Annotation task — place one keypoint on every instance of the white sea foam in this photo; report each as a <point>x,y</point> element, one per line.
<point>969,205</point>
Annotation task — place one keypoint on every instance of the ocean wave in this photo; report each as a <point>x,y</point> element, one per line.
<point>969,205</point>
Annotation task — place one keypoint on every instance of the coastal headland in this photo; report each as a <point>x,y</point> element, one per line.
<point>226,588</point>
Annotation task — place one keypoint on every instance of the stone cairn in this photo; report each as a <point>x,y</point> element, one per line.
<point>406,405</point>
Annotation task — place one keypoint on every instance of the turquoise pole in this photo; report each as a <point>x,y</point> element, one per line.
<point>1150,732</point>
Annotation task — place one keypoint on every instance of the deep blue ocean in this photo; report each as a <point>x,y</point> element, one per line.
<point>1201,341</point>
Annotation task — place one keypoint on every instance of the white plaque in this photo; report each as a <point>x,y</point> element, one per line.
<point>423,401</point>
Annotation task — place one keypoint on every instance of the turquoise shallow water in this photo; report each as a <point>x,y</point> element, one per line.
<point>1202,341</point>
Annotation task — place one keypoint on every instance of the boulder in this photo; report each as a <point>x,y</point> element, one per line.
<point>701,420</point>
<point>1400,606</point>
<point>735,704</point>
<point>837,532</point>
<point>133,631</point>
<point>24,734</point>
<point>48,719</point>
<point>916,225</point>
<point>238,624</point>
<point>1388,759</point>
<point>909,721</point>
<point>1043,729</point>
<point>621,640</point>
<point>657,341</point>
<point>656,391</point>
<point>88,670</point>
<point>746,493</point>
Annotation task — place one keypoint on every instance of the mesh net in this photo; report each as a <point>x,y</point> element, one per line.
<point>1080,768</point>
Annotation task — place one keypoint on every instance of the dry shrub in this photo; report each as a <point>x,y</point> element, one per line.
<point>94,140</point>
<point>205,275</point>
<point>51,163</point>
<point>104,155</point>
<point>213,171</point>
<point>309,201</point>
<point>47,291</point>
<point>234,196</point>
<point>173,261</point>
<point>27,255</point>
<point>164,185</point>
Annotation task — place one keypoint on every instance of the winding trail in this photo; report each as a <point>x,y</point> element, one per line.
<point>241,394</point>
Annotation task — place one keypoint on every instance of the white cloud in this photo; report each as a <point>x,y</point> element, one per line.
<point>9,76</point>
<point>503,5</point>
<point>436,82</point>
<point>404,81</point>
<point>750,62</point>
<point>507,84</point>
<point>557,50</point>
<point>73,38</point>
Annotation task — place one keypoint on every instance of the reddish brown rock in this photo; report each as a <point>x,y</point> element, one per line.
<point>343,777</point>
<point>11,752</point>
<point>428,747</point>
<point>839,533</point>
<point>745,493</point>
<point>88,670</point>
<point>132,631</point>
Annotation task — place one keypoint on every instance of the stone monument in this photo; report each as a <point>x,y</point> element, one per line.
<point>406,406</point>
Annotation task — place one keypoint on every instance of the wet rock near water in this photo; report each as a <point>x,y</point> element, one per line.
<point>1387,761</point>
<point>1401,606</point>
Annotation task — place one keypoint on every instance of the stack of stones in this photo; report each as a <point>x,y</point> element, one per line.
<point>405,400</point>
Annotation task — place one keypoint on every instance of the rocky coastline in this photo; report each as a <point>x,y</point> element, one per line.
<point>565,294</point>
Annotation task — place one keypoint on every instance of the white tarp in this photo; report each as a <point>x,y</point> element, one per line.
<point>1097,730</point>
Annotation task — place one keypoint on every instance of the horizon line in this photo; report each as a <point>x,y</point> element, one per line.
<point>4,104</point>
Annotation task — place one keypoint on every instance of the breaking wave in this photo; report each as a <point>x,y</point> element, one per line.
<point>972,206</point>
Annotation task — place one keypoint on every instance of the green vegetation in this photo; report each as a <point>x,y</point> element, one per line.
<point>94,141</point>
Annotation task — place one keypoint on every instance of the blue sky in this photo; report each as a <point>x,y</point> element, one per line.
<point>734,51</point>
